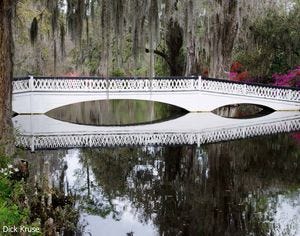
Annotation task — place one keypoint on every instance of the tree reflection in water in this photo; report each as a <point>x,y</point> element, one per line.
<point>116,112</point>
<point>230,188</point>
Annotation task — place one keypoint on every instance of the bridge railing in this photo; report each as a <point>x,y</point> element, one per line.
<point>250,89</point>
<point>142,84</point>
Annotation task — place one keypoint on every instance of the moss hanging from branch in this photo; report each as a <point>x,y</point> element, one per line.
<point>154,19</point>
<point>54,57</point>
<point>153,33</point>
<point>118,18</point>
<point>76,14</point>
<point>71,19</point>
<point>79,16</point>
<point>62,40</point>
<point>54,18</point>
<point>118,9</point>
<point>138,20</point>
<point>92,9</point>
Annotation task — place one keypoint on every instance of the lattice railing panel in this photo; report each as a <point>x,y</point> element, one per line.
<point>250,90</point>
<point>90,84</point>
<point>113,85</point>
<point>21,86</point>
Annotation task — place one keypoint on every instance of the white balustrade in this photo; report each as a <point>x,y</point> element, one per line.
<point>21,86</point>
<point>91,84</point>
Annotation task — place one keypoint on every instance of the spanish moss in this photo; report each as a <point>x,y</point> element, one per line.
<point>62,41</point>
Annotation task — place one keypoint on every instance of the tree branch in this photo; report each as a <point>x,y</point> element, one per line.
<point>160,53</point>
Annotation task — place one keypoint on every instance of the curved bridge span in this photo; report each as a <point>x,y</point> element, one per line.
<point>37,95</point>
<point>43,132</point>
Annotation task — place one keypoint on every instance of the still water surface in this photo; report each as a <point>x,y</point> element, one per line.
<point>116,112</point>
<point>243,187</point>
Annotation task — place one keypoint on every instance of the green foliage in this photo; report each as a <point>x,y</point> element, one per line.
<point>255,61</point>
<point>161,68</point>
<point>10,212</point>
<point>13,211</point>
<point>276,43</point>
<point>118,72</point>
<point>4,160</point>
<point>5,188</point>
<point>140,71</point>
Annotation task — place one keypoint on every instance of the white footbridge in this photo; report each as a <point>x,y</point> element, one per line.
<point>43,132</point>
<point>38,95</point>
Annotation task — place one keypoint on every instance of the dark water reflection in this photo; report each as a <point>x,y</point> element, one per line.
<point>244,187</point>
<point>116,112</point>
<point>243,111</point>
<point>135,112</point>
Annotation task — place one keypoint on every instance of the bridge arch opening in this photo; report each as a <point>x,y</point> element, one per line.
<point>118,112</point>
<point>243,111</point>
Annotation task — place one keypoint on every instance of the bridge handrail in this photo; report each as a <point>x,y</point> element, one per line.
<point>107,78</point>
<point>251,83</point>
<point>137,84</point>
<point>157,78</point>
<point>21,78</point>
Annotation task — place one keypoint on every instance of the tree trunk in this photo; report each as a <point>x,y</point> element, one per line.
<point>221,34</point>
<point>6,65</point>
<point>190,38</point>
<point>172,55</point>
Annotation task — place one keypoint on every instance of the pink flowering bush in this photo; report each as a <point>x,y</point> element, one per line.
<point>292,78</point>
<point>237,72</point>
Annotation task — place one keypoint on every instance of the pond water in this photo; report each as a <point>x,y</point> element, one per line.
<point>116,112</point>
<point>242,187</point>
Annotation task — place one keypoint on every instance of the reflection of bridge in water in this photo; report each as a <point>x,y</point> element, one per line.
<point>43,132</point>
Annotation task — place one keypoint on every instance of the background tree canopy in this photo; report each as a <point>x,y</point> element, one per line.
<point>275,37</point>
<point>156,37</point>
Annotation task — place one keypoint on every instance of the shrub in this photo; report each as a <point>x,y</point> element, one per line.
<point>237,72</point>
<point>291,78</point>
<point>275,44</point>
<point>118,72</point>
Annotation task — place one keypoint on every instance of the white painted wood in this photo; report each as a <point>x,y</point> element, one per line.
<point>39,95</point>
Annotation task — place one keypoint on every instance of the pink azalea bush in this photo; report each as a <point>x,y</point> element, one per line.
<point>292,78</point>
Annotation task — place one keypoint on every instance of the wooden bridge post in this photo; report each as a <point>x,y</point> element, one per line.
<point>200,82</point>
<point>31,88</point>
<point>245,89</point>
<point>31,84</point>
